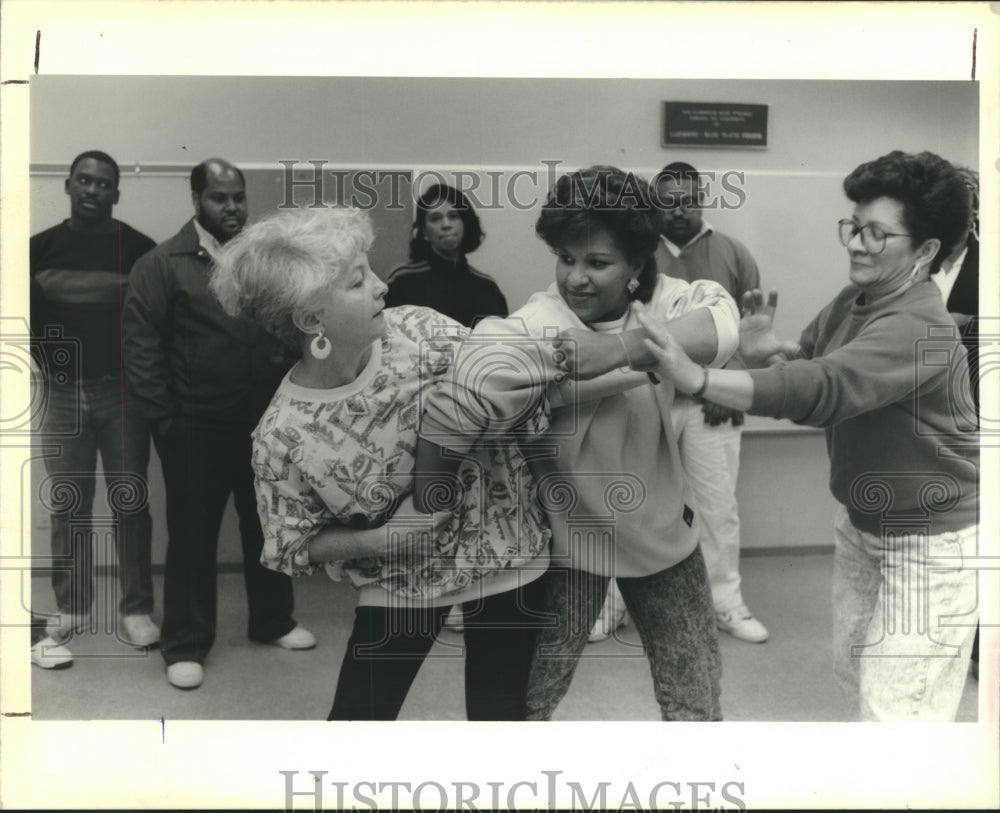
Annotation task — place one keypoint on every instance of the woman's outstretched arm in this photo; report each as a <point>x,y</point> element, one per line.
<point>730,388</point>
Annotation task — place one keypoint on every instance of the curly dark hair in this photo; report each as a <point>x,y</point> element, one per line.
<point>971,178</point>
<point>932,191</point>
<point>472,233</point>
<point>608,198</point>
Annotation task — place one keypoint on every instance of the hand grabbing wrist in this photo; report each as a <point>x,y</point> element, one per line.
<point>628,357</point>
<point>700,388</point>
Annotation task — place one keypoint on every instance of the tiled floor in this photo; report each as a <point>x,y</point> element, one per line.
<point>789,678</point>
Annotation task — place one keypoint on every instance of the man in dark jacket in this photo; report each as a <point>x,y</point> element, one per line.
<point>203,379</point>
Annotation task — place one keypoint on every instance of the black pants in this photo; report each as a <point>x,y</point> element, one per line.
<point>389,644</point>
<point>202,466</point>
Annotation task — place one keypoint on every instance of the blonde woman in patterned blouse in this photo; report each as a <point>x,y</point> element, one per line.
<point>334,457</point>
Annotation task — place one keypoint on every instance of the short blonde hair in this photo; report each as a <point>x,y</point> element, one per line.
<point>279,264</point>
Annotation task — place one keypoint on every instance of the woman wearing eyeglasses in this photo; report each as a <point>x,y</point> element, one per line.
<point>883,370</point>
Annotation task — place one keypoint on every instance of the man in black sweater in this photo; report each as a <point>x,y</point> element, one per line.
<point>79,272</point>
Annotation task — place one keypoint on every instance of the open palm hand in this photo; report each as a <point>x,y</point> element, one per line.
<point>757,340</point>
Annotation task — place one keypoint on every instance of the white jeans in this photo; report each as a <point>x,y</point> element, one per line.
<point>710,456</point>
<point>904,616</point>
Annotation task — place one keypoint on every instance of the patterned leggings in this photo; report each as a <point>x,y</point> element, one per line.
<point>674,615</point>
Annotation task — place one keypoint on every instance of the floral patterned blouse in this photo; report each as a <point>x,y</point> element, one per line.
<point>346,456</point>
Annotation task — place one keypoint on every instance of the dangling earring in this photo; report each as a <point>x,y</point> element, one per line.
<point>632,285</point>
<point>320,347</point>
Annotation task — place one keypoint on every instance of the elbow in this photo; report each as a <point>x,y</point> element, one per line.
<point>706,351</point>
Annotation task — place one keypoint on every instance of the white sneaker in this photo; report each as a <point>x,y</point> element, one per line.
<point>298,638</point>
<point>140,630</point>
<point>613,616</point>
<point>50,655</point>
<point>185,674</point>
<point>455,620</point>
<point>740,623</point>
<point>62,628</point>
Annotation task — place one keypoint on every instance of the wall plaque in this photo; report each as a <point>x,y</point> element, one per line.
<point>714,124</point>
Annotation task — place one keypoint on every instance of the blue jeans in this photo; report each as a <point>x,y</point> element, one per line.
<point>79,422</point>
<point>674,616</point>
<point>904,617</point>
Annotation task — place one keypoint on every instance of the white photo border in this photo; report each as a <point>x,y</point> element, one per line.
<point>238,764</point>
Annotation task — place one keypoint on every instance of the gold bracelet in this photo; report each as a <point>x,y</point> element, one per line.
<point>628,358</point>
<point>704,384</point>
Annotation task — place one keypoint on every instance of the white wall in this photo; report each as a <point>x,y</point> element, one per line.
<point>818,131</point>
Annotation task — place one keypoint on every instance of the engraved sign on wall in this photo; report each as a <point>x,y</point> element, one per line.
<point>714,124</point>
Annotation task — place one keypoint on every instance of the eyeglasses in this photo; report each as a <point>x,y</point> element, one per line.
<point>872,235</point>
